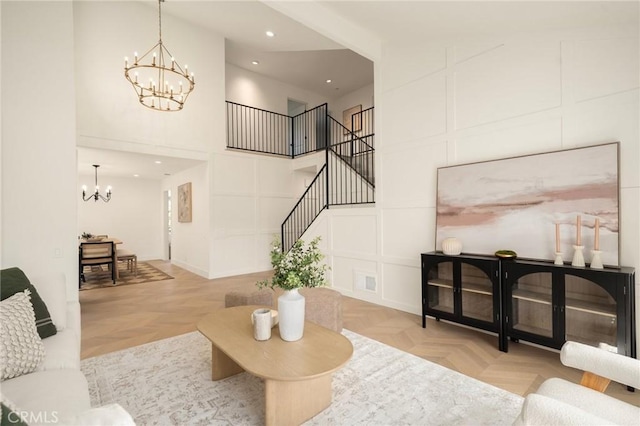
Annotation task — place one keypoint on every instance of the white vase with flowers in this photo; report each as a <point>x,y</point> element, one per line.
<point>299,267</point>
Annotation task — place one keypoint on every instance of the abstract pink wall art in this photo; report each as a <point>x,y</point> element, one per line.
<point>515,203</point>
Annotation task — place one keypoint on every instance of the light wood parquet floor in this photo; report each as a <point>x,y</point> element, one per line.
<point>121,317</point>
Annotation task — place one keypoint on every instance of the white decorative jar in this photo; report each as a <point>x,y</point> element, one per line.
<point>451,246</point>
<point>291,306</point>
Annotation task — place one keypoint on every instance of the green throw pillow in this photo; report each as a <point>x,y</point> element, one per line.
<point>10,416</point>
<point>12,281</point>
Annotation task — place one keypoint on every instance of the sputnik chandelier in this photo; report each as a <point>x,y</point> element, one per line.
<point>96,192</point>
<point>158,84</point>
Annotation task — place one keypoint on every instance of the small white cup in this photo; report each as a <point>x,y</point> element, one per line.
<point>263,320</point>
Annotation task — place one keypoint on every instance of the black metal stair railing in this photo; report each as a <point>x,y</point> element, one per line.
<point>356,151</point>
<point>308,207</point>
<point>362,123</point>
<point>346,178</point>
<point>258,130</point>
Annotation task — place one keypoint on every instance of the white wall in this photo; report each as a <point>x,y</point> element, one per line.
<point>134,214</point>
<point>252,89</point>
<point>363,96</point>
<point>251,196</point>
<point>39,191</point>
<point>109,114</point>
<point>190,241</point>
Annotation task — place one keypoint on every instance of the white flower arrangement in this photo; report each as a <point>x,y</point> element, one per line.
<point>299,267</point>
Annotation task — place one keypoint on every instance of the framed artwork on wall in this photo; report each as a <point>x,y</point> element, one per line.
<point>352,119</point>
<point>516,204</point>
<point>184,202</point>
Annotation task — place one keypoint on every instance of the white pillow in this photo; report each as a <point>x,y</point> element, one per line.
<point>21,349</point>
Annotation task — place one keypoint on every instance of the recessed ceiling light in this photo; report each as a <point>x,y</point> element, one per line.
<point>255,62</point>
<point>136,175</point>
<point>158,162</point>
<point>329,81</point>
<point>270,34</point>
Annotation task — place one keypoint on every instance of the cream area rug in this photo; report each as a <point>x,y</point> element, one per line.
<point>169,383</point>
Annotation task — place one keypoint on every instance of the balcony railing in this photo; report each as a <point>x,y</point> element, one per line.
<point>259,130</point>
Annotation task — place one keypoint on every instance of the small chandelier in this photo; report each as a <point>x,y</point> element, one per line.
<point>96,193</point>
<point>159,86</point>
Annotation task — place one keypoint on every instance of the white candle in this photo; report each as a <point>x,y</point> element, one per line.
<point>578,233</point>
<point>557,238</point>
<point>596,243</point>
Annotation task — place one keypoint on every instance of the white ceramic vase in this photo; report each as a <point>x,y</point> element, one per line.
<point>291,312</point>
<point>451,246</point>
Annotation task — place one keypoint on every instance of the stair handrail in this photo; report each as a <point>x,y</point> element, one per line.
<point>258,109</point>
<point>350,133</point>
<point>300,200</point>
<point>339,157</point>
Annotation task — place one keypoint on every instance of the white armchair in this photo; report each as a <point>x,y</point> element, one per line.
<point>559,402</point>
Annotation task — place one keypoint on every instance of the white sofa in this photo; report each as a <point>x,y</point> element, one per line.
<point>559,402</point>
<point>58,391</point>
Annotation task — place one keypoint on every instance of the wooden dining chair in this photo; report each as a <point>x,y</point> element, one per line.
<point>97,254</point>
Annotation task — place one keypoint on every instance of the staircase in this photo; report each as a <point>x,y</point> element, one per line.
<point>346,178</point>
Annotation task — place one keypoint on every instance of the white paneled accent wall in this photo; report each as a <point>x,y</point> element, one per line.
<point>509,81</point>
<point>251,196</point>
<point>455,102</point>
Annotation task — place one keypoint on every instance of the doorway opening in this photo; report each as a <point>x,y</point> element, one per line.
<point>294,109</point>
<point>167,224</point>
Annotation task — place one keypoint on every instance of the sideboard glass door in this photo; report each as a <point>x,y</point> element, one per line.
<point>476,291</point>
<point>440,287</point>
<point>591,312</point>
<point>531,304</point>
